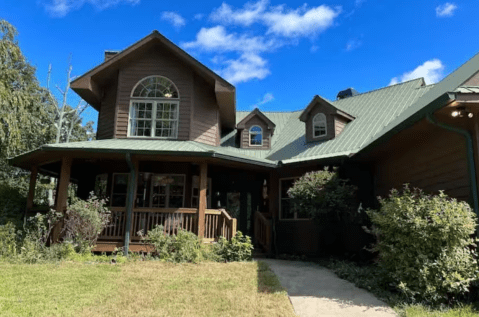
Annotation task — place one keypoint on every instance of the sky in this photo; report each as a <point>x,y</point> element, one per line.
<point>277,53</point>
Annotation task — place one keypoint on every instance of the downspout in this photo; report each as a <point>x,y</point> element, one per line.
<point>129,202</point>
<point>470,156</point>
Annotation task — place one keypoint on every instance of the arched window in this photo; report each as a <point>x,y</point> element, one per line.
<point>319,125</point>
<point>154,108</point>
<point>255,135</point>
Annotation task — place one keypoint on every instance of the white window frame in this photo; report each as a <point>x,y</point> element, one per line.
<point>250,133</point>
<point>167,201</point>
<point>113,185</point>
<point>318,120</point>
<point>281,199</point>
<point>155,101</point>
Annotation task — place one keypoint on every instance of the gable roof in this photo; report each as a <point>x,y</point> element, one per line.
<point>256,112</point>
<point>318,99</point>
<point>88,85</point>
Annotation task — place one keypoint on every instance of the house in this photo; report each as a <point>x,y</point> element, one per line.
<point>172,149</point>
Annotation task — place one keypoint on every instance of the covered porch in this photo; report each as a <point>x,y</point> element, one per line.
<point>210,197</point>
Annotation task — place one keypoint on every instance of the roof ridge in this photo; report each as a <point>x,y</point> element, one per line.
<point>386,87</point>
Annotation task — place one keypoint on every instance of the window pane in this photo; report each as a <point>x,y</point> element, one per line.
<point>176,202</point>
<point>286,210</point>
<point>256,139</point>
<point>285,185</point>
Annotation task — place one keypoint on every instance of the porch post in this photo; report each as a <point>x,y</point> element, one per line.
<point>62,194</point>
<point>31,190</point>
<point>202,199</point>
<point>130,200</point>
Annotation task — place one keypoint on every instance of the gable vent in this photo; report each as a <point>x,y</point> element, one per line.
<point>347,93</point>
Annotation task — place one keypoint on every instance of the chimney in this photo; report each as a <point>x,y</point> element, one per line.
<point>347,93</point>
<point>110,54</point>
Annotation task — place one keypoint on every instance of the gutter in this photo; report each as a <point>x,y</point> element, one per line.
<point>470,156</point>
<point>130,200</point>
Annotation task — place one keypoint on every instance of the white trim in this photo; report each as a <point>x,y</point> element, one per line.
<point>167,201</point>
<point>145,78</point>
<point>320,121</point>
<point>280,199</point>
<point>153,119</point>
<point>249,135</point>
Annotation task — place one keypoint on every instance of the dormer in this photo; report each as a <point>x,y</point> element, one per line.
<point>255,131</point>
<point>323,121</point>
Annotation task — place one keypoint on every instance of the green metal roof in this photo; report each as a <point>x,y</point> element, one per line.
<point>378,114</point>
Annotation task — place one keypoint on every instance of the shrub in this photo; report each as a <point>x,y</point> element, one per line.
<point>182,247</point>
<point>425,245</point>
<point>239,248</point>
<point>323,195</point>
<point>84,222</point>
<point>8,241</point>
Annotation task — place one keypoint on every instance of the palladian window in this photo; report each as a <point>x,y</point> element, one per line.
<point>255,135</point>
<point>319,125</point>
<point>154,108</point>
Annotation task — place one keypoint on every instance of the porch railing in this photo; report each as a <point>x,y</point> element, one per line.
<point>262,231</point>
<point>217,222</point>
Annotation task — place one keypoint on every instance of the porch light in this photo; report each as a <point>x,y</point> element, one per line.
<point>461,112</point>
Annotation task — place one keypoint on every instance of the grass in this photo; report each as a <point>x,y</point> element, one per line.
<point>142,289</point>
<point>421,311</point>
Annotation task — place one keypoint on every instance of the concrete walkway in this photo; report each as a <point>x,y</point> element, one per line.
<point>316,291</point>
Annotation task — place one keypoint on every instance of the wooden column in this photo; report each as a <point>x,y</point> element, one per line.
<point>62,193</point>
<point>130,200</point>
<point>273,194</point>
<point>475,134</point>
<point>202,199</point>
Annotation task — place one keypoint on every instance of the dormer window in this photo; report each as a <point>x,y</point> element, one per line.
<point>256,136</point>
<point>319,125</point>
<point>154,108</point>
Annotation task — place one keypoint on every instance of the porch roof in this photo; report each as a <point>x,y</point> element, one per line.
<point>144,147</point>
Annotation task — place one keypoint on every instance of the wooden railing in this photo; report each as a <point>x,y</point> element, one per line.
<point>262,230</point>
<point>217,222</point>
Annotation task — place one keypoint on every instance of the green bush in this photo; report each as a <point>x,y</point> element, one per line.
<point>182,247</point>
<point>84,221</point>
<point>239,248</point>
<point>425,245</point>
<point>8,241</point>
<point>323,195</point>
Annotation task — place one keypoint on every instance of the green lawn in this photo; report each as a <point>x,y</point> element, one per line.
<point>141,289</point>
<point>420,311</point>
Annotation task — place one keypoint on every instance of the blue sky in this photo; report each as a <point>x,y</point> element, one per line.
<point>278,54</point>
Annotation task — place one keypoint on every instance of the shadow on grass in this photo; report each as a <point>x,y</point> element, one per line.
<point>268,282</point>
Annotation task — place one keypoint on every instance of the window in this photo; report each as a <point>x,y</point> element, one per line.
<point>288,210</point>
<point>319,125</point>
<point>167,191</point>
<point>255,135</point>
<point>119,190</point>
<point>154,108</point>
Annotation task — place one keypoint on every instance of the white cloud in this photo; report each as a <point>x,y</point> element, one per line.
<point>431,70</point>
<point>174,18</point>
<point>198,16</point>
<point>247,67</point>
<point>280,20</point>
<point>268,97</point>
<point>446,10</point>
<point>250,14</point>
<point>217,39</point>
<point>60,8</point>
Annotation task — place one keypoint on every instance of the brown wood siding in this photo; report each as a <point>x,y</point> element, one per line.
<point>205,124</point>
<point>435,163</point>
<point>245,134</point>
<point>106,115</point>
<point>473,81</point>
<point>155,61</point>
<point>329,112</point>
<point>339,124</point>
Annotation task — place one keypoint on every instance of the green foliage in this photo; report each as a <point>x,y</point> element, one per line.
<point>182,247</point>
<point>84,221</point>
<point>239,248</point>
<point>425,245</point>
<point>8,241</point>
<point>323,195</point>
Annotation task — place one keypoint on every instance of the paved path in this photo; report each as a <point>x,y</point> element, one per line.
<point>316,291</point>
